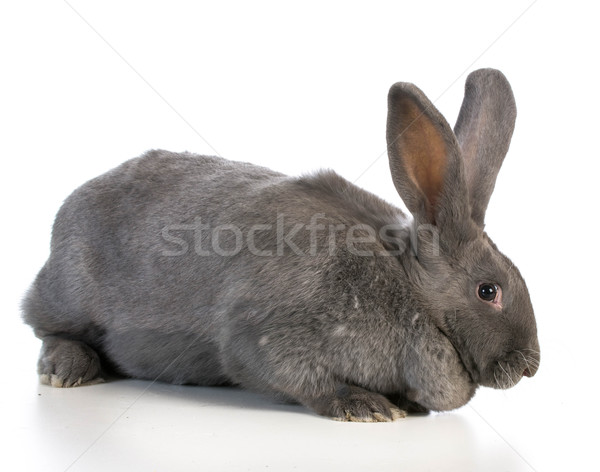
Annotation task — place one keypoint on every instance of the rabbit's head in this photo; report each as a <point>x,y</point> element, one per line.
<point>475,295</point>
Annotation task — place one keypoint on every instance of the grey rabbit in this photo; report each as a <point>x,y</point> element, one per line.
<point>198,270</point>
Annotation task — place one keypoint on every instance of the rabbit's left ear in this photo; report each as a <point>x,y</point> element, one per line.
<point>425,160</point>
<point>484,127</point>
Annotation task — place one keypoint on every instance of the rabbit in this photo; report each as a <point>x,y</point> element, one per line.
<point>197,270</point>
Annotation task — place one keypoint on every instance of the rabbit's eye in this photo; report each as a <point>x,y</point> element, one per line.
<point>487,292</point>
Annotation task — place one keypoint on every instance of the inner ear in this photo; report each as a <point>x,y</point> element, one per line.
<point>424,151</point>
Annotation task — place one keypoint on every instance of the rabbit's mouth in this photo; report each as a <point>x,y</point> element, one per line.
<point>507,372</point>
<point>501,374</point>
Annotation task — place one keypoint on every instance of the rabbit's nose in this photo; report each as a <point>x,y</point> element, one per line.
<point>526,373</point>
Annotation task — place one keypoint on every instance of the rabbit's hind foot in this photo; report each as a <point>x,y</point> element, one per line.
<point>67,363</point>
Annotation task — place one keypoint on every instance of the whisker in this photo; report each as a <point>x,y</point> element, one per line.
<point>509,379</point>
<point>510,372</point>
<point>526,363</point>
<point>535,362</point>
<point>496,379</point>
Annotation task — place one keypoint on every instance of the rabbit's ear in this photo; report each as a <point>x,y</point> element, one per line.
<point>425,159</point>
<point>484,127</point>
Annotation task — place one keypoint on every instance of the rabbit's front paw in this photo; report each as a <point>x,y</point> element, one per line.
<point>68,363</point>
<point>350,403</point>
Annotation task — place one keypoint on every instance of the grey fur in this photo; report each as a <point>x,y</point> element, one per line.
<point>132,278</point>
<point>484,127</point>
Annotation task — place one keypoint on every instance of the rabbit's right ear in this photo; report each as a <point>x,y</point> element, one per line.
<point>425,158</point>
<point>484,128</point>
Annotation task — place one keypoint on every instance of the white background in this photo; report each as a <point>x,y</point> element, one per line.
<point>85,86</point>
